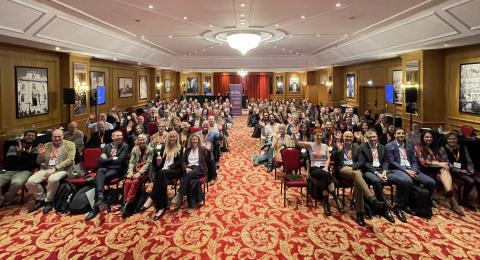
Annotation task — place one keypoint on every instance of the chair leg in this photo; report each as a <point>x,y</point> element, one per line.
<point>306,195</point>
<point>391,195</point>
<point>284,195</point>
<point>343,197</point>
<point>22,196</point>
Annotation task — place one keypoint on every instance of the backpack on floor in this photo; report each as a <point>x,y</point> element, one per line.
<point>80,203</point>
<point>65,193</point>
<point>420,201</point>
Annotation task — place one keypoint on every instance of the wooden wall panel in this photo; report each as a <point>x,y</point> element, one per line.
<point>453,59</point>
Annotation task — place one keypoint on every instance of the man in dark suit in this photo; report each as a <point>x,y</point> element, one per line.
<point>100,138</point>
<point>404,170</point>
<point>371,156</point>
<point>112,163</point>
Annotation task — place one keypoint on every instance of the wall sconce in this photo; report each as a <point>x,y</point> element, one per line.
<point>370,82</point>
<point>304,83</point>
<point>408,84</point>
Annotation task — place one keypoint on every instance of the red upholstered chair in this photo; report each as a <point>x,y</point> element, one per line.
<point>195,129</point>
<point>152,128</point>
<point>291,163</point>
<point>91,157</point>
<point>467,130</point>
<point>311,129</point>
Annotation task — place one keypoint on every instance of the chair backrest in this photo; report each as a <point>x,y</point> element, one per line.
<point>91,157</point>
<point>152,128</point>
<point>290,158</point>
<point>467,130</point>
<point>195,129</point>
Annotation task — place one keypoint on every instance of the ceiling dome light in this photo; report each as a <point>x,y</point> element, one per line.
<point>243,41</point>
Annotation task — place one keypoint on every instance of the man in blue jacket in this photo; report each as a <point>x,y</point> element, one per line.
<point>404,171</point>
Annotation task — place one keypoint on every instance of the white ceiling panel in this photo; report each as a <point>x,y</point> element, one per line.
<point>468,13</point>
<point>17,16</point>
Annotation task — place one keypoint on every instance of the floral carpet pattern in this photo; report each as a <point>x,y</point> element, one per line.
<point>243,218</point>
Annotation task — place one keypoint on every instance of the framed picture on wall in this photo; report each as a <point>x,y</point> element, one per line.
<point>350,88</point>
<point>81,87</point>
<point>125,87</point>
<point>167,86</point>
<point>143,87</point>
<point>294,85</point>
<point>207,85</point>
<point>278,84</point>
<point>97,78</point>
<point>329,85</point>
<point>31,86</point>
<point>470,88</point>
<point>397,86</point>
<point>192,85</point>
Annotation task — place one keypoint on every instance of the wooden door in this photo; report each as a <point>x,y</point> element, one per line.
<point>313,94</point>
<point>373,98</point>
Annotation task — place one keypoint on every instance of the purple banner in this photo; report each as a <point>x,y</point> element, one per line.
<point>236,98</point>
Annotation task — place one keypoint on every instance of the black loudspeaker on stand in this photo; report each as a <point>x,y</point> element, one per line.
<point>68,96</point>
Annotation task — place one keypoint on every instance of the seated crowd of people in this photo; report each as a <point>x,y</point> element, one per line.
<point>364,151</point>
<point>169,141</point>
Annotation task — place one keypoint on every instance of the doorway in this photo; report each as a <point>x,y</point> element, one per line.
<point>373,99</point>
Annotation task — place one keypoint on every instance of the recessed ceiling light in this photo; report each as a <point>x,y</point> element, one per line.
<point>114,59</point>
<point>242,5</point>
<point>283,49</point>
<point>276,25</point>
<point>296,53</point>
<point>242,15</point>
<point>170,36</point>
<point>242,23</point>
<point>143,36</point>
<point>303,16</point>
<point>290,51</point>
<point>211,26</point>
<point>291,35</point>
<point>139,63</point>
<point>338,5</point>
<point>445,45</point>
<point>57,48</point>
<point>274,46</point>
<point>189,54</point>
<point>150,6</point>
<point>185,18</point>
<point>318,35</point>
<point>345,35</point>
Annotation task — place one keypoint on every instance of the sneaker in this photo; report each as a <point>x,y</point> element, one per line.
<point>48,207</point>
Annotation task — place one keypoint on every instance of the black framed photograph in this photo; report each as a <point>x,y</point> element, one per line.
<point>31,86</point>
<point>192,85</point>
<point>397,76</point>
<point>167,86</point>
<point>294,85</point>
<point>279,84</point>
<point>350,88</point>
<point>143,87</point>
<point>125,87</point>
<point>470,88</point>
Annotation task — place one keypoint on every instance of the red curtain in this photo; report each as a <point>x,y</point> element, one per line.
<point>255,85</point>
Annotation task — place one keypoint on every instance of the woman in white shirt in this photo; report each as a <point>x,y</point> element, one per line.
<point>168,167</point>
<point>319,162</point>
<point>196,162</point>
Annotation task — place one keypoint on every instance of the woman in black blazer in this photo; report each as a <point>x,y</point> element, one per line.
<point>168,167</point>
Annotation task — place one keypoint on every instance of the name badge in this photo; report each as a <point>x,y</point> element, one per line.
<point>347,162</point>
<point>318,164</point>
<point>457,165</point>
<point>376,163</point>
<point>303,150</point>
<point>102,146</point>
<point>330,148</point>
<point>405,163</point>
<point>159,146</point>
<point>52,162</point>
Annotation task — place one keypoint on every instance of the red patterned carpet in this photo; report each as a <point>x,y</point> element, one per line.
<point>243,218</point>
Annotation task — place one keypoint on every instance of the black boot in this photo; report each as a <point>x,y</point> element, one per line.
<point>360,220</point>
<point>378,206</point>
<point>92,214</point>
<point>124,210</point>
<point>326,206</point>
<point>338,204</point>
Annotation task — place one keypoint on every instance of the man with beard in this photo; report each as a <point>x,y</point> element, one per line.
<point>19,163</point>
<point>100,138</point>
